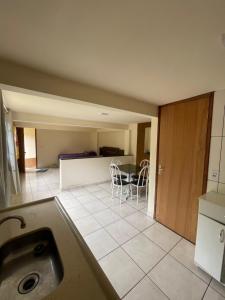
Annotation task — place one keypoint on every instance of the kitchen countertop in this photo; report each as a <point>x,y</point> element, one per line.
<point>212,205</point>
<point>83,278</point>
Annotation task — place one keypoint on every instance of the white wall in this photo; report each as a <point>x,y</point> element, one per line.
<point>111,139</point>
<point>153,160</point>
<point>133,140</point>
<point>50,143</point>
<point>216,174</point>
<point>29,142</point>
<point>76,172</point>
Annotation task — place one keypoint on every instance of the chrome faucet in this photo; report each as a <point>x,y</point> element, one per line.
<point>21,219</point>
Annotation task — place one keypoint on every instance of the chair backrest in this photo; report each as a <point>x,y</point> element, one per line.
<point>143,176</point>
<point>115,174</point>
<point>116,162</point>
<point>144,162</point>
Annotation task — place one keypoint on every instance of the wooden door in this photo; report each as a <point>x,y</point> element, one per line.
<point>183,153</point>
<point>20,141</point>
<point>141,142</point>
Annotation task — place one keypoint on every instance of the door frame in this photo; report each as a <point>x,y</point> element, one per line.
<point>36,147</point>
<point>207,146</point>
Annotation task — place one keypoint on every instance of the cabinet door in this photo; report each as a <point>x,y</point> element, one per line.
<point>209,249</point>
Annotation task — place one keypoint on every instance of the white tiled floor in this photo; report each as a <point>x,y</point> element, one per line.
<point>142,259</point>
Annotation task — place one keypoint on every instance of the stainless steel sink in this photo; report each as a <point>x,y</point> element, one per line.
<point>30,266</point>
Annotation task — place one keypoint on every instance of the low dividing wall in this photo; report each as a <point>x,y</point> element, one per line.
<point>76,172</point>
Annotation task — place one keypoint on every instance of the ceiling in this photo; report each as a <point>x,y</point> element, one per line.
<point>19,102</point>
<point>157,51</point>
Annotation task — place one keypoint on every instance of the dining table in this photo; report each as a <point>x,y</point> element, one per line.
<point>130,169</point>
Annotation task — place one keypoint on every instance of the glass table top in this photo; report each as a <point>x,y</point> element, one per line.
<point>129,168</point>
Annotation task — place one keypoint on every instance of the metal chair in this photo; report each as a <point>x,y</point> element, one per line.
<point>143,163</point>
<point>118,162</point>
<point>117,181</point>
<point>141,182</point>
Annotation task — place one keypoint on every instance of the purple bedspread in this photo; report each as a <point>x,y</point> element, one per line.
<point>85,154</point>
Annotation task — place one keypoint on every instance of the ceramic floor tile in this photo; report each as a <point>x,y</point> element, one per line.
<point>100,243</point>
<point>121,231</point>
<point>123,210</point>
<point>221,188</point>
<point>106,217</point>
<point>218,287</point>
<point>145,290</point>
<point>144,252</point>
<point>176,281</point>
<point>184,252</point>
<point>140,220</point>
<point>212,295</point>
<point>122,272</point>
<point>109,202</point>
<point>69,203</point>
<point>84,199</point>
<point>144,210</point>
<point>93,188</point>
<point>95,206</point>
<point>222,162</point>
<point>77,212</point>
<point>162,236</point>
<point>140,205</point>
<point>80,192</point>
<point>65,195</point>
<point>87,225</point>
<point>101,194</point>
<point>214,158</point>
<point>212,186</point>
<point>106,186</point>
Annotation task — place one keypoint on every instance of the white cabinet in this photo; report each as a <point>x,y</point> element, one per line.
<point>209,251</point>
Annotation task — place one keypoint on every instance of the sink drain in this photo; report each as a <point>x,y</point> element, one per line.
<point>28,283</point>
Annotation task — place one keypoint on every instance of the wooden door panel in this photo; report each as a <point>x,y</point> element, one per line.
<point>182,151</point>
<point>20,140</point>
<point>141,142</point>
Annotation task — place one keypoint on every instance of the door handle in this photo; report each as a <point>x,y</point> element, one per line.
<point>160,169</point>
<point>221,235</point>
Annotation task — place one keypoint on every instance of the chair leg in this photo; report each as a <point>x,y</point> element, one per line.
<point>121,194</point>
<point>137,194</point>
<point>131,192</point>
<point>127,192</point>
<point>112,188</point>
<point>118,188</point>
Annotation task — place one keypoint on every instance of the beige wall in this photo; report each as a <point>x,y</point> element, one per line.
<point>29,142</point>
<point>112,139</point>
<point>19,76</point>
<point>216,174</point>
<point>50,143</point>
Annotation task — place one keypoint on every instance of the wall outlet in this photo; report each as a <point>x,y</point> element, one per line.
<point>215,174</point>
